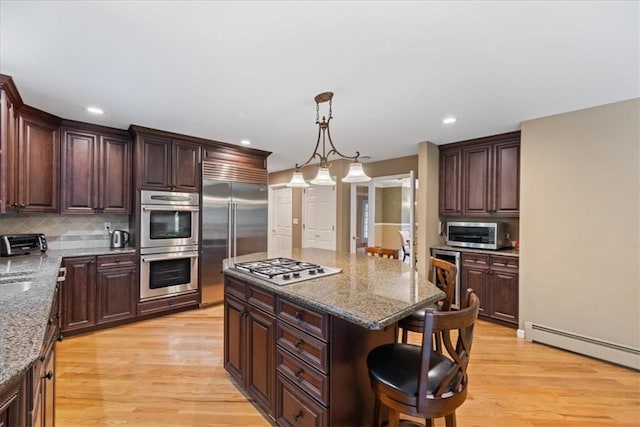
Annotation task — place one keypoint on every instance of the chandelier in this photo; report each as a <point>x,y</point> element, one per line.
<point>356,173</point>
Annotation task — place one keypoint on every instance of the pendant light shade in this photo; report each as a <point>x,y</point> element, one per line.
<point>323,178</point>
<point>297,180</point>
<point>356,173</point>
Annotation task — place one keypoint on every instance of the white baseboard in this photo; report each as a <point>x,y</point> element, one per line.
<point>594,347</point>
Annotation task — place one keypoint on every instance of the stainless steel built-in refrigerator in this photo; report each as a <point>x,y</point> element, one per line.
<point>234,223</point>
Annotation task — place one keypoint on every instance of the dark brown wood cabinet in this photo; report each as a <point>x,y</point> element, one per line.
<point>300,365</point>
<point>165,162</point>
<point>115,288</point>
<point>32,182</point>
<point>41,378</point>
<point>495,279</point>
<point>250,326</point>
<point>98,291</point>
<point>13,403</point>
<point>450,181</point>
<point>79,294</point>
<point>481,177</point>
<point>10,101</point>
<point>95,171</point>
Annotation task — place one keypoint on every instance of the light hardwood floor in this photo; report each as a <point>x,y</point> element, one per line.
<point>168,372</point>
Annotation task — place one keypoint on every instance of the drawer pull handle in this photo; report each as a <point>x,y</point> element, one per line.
<point>49,375</point>
<point>297,344</point>
<point>298,372</point>
<point>297,315</point>
<point>296,416</point>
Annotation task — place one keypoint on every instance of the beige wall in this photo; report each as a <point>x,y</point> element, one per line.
<point>580,222</point>
<point>427,200</point>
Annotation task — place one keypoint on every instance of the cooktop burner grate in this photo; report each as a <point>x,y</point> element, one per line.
<point>282,271</point>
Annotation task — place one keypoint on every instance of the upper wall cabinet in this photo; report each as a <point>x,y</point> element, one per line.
<point>481,177</point>
<point>10,101</point>
<point>96,169</point>
<point>164,162</point>
<point>34,156</point>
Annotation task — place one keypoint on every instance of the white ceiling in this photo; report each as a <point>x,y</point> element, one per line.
<point>234,70</point>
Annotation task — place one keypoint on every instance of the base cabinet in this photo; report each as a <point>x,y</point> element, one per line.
<point>249,354</point>
<point>99,290</point>
<point>302,366</point>
<point>495,279</point>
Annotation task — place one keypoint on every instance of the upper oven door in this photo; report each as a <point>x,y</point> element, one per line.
<point>163,226</point>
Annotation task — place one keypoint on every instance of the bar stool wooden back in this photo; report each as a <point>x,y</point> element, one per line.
<point>420,381</point>
<point>379,252</point>
<point>444,274</point>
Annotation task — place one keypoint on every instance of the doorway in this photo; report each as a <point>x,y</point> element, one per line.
<point>379,210</point>
<point>280,219</point>
<point>319,217</point>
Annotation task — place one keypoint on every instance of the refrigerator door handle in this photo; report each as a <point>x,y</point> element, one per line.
<point>230,236</point>
<point>235,216</point>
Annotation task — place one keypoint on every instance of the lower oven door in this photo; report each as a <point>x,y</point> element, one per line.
<point>168,274</point>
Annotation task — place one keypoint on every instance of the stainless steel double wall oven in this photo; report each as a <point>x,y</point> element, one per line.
<point>169,232</point>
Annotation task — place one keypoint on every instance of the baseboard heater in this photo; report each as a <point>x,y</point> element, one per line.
<point>593,347</point>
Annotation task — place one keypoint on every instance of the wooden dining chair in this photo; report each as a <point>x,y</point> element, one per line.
<point>379,252</point>
<point>443,275</point>
<point>419,381</point>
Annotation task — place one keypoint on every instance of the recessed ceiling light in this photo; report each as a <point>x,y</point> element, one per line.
<point>245,142</point>
<point>449,120</point>
<point>95,110</point>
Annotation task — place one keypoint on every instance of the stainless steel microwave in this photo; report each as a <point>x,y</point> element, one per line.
<point>478,235</point>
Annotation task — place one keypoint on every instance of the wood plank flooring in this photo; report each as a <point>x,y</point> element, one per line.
<point>168,372</point>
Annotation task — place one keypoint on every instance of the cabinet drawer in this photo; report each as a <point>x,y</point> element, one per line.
<point>477,260</point>
<point>504,263</point>
<point>303,345</point>
<point>264,300</point>
<point>309,320</point>
<point>304,376</point>
<point>296,409</point>
<point>120,260</point>
<point>170,303</point>
<point>235,287</point>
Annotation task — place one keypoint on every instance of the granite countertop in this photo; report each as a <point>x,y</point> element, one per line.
<point>512,252</point>
<point>24,316</point>
<point>370,292</point>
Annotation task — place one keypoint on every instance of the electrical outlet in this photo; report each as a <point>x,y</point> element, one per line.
<point>107,226</point>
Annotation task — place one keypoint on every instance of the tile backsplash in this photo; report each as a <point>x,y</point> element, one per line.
<point>65,231</point>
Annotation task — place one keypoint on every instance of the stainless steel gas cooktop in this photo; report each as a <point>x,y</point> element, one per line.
<point>284,271</point>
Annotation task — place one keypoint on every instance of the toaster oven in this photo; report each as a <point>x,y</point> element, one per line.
<point>21,244</point>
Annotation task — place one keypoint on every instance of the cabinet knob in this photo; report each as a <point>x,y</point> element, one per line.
<point>297,344</point>
<point>60,337</point>
<point>298,372</point>
<point>48,375</point>
<point>297,315</point>
<point>296,416</point>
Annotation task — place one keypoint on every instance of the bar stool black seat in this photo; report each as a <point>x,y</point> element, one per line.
<point>420,381</point>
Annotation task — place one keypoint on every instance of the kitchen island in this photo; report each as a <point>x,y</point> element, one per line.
<point>299,350</point>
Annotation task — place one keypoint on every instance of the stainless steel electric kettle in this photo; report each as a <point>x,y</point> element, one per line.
<point>119,238</point>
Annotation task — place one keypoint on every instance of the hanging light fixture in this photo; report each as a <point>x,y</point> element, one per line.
<point>356,173</point>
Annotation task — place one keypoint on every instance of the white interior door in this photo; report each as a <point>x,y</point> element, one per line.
<point>319,217</point>
<point>281,230</point>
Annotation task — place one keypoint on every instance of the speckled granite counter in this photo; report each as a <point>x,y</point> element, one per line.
<point>24,316</point>
<point>506,252</point>
<point>370,292</point>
